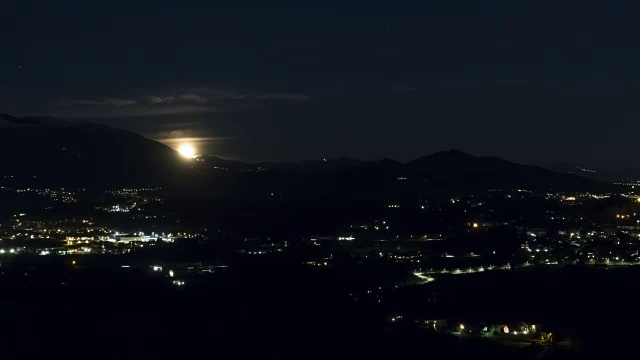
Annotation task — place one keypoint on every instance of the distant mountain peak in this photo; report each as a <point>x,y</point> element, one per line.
<point>452,152</point>
<point>452,157</point>
<point>7,120</point>
<point>83,154</point>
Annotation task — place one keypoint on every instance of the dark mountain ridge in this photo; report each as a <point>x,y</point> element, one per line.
<point>439,173</point>
<point>83,154</point>
<point>95,155</point>
<point>629,174</point>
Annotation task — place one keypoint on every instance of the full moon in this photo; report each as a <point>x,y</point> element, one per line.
<point>187,151</point>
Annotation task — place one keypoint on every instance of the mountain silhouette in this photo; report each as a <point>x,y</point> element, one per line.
<point>455,168</point>
<point>68,153</point>
<point>88,155</point>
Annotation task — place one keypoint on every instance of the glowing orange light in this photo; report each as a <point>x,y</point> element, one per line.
<point>187,150</point>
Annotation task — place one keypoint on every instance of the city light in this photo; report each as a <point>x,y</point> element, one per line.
<point>255,145</point>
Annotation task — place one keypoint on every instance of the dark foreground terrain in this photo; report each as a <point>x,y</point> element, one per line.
<point>260,309</point>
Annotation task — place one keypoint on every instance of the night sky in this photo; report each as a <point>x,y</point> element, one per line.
<point>524,80</point>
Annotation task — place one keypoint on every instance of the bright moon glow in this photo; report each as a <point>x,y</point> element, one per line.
<point>187,151</point>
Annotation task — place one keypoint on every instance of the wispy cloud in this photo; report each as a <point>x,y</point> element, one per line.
<point>191,140</point>
<point>192,101</point>
<point>161,99</point>
<point>194,98</point>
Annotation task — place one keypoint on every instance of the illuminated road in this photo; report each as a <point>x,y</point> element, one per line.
<point>425,279</point>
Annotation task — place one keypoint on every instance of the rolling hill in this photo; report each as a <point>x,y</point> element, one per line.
<point>83,154</point>
<point>89,155</point>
